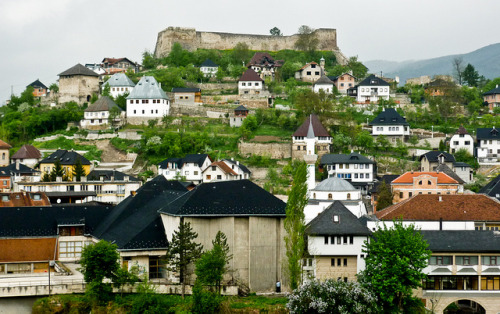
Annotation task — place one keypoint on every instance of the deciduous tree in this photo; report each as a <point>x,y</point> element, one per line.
<point>395,258</point>
<point>308,40</point>
<point>458,69</point>
<point>295,223</point>
<point>183,250</point>
<point>384,196</point>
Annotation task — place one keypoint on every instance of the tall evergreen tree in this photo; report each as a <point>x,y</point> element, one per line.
<point>183,251</point>
<point>57,171</point>
<point>384,196</point>
<point>470,75</point>
<point>78,170</point>
<point>295,223</point>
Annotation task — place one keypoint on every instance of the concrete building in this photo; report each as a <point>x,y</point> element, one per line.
<point>27,155</point>
<point>209,68</point>
<point>147,101</point>
<point>78,84</point>
<point>371,89</point>
<point>119,84</point>
<point>492,98</point>
<point>187,96</point>
<point>4,153</point>
<point>359,170</point>
<point>250,83</point>
<point>462,140</point>
<point>390,124</point>
<point>99,114</point>
<point>325,84</point>
<point>189,168</point>
<point>322,139</point>
<point>488,146</point>
<point>335,241</point>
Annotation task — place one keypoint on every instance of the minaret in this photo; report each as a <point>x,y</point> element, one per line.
<point>310,157</point>
<point>322,63</point>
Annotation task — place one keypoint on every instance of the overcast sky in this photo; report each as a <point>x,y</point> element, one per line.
<point>40,39</point>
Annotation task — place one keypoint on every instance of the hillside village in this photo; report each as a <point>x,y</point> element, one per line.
<point>123,151</point>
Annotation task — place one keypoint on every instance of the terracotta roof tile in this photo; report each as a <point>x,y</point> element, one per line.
<point>224,167</point>
<point>478,207</point>
<point>408,177</point>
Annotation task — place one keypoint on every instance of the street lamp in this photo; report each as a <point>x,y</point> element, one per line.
<point>432,136</point>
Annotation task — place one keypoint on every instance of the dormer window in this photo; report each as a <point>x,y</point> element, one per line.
<point>336,218</point>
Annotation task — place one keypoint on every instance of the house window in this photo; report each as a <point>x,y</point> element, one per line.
<point>256,84</point>
<point>214,168</point>
<point>36,197</point>
<point>351,240</point>
<point>440,260</point>
<point>339,262</point>
<point>70,249</point>
<point>219,177</point>
<point>209,177</point>
<point>195,173</point>
<point>348,196</point>
<point>401,194</point>
<point>329,196</point>
<point>490,260</point>
<point>345,239</point>
<point>326,239</point>
<point>466,260</point>
<point>345,263</point>
<point>308,73</point>
<point>5,198</point>
<point>333,262</point>
<point>336,218</point>
<point>316,73</point>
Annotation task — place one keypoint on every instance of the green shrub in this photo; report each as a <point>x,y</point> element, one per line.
<point>205,301</point>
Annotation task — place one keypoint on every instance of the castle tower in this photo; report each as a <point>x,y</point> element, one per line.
<point>310,157</point>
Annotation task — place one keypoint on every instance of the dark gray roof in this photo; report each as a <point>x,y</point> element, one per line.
<point>38,84</point>
<point>185,90</point>
<point>120,80</point>
<point>433,156</point>
<point>71,193</point>
<point>461,164</point>
<point>226,198</point>
<point>444,168</point>
<point>388,178</point>
<point>487,133</point>
<point>334,184</point>
<point>208,63</point>
<point>11,169</point>
<point>107,174</point>
<point>102,104</point>
<point>493,91</point>
<point>463,241</point>
<point>348,224</point>
<point>372,80</point>
<point>147,88</point>
<point>240,165</point>
<point>352,158</point>
<point>241,108</point>
<point>65,157</point>
<point>190,158</point>
<point>135,223</point>
<point>78,70</point>
<point>389,117</point>
<point>43,221</point>
<point>492,189</point>
<point>323,80</point>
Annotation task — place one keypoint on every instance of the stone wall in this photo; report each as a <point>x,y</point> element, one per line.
<point>274,150</point>
<point>191,40</point>
<point>77,88</point>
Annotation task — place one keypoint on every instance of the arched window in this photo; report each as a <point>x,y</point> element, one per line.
<point>429,182</point>
<point>348,196</point>
<point>419,182</point>
<point>330,196</point>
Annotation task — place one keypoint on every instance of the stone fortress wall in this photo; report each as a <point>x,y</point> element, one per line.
<point>191,40</point>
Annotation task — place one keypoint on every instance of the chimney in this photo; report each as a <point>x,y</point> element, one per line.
<point>125,178</point>
<point>58,179</point>
<point>83,179</point>
<point>112,178</point>
<point>440,199</point>
<point>17,164</point>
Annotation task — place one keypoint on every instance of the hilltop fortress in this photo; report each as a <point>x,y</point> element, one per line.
<point>191,40</point>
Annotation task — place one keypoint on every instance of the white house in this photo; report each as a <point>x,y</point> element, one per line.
<point>119,84</point>
<point>330,190</point>
<point>354,167</point>
<point>325,84</point>
<point>391,124</point>
<point>209,68</point>
<point>107,186</point>
<point>225,170</point>
<point>27,155</point>
<point>147,100</point>
<point>488,146</point>
<point>189,168</point>
<point>462,140</point>
<point>98,113</point>
<point>372,89</point>
<point>250,83</point>
<point>335,244</point>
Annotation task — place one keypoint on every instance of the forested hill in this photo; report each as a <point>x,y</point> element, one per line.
<point>485,60</point>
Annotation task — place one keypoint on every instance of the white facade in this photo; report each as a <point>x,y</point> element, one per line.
<point>318,247</point>
<point>116,91</point>
<point>209,71</point>
<point>488,151</point>
<point>327,88</point>
<point>426,225</point>
<point>354,172</point>
<point>391,130</point>
<point>148,108</point>
<point>214,172</point>
<point>191,171</point>
<point>462,141</point>
<point>95,118</point>
<point>372,93</point>
<point>250,87</point>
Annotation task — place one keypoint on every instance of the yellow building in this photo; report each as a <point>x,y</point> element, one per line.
<point>67,158</point>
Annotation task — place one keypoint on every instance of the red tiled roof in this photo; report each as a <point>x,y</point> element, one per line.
<point>318,128</point>
<point>23,199</point>
<point>224,167</point>
<point>27,152</point>
<point>4,145</point>
<point>250,76</point>
<point>305,66</point>
<point>425,207</point>
<point>442,178</point>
